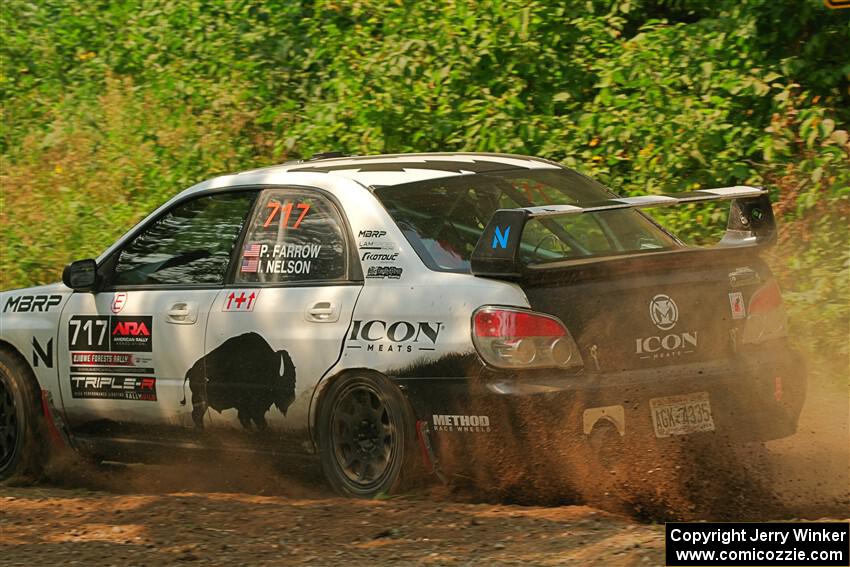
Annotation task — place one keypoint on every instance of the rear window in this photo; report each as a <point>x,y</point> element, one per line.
<point>443,219</point>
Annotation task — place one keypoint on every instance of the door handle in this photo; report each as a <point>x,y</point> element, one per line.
<point>182,313</point>
<point>322,312</point>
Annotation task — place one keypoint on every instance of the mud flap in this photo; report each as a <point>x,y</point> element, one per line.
<point>54,424</point>
<point>423,434</point>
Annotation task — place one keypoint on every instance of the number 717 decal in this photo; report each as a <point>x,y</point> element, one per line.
<point>287,213</point>
<point>110,333</point>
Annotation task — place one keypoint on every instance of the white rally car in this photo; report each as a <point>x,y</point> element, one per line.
<point>382,311</point>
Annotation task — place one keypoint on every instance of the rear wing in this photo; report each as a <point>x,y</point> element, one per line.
<point>750,224</point>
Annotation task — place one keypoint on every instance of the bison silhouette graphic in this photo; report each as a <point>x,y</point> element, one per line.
<point>244,373</point>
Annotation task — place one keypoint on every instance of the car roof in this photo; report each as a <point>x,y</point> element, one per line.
<point>397,169</point>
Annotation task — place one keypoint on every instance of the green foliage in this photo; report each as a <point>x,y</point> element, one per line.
<point>111,107</point>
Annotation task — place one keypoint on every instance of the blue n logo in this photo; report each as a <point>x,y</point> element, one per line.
<point>500,239</point>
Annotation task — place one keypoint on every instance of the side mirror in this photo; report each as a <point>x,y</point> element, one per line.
<point>81,275</point>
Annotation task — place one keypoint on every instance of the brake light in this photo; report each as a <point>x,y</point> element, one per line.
<point>766,298</point>
<point>766,319</point>
<point>514,338</point>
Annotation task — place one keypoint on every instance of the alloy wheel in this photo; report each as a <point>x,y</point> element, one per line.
<point>363,435</point>
<point>9,434</point>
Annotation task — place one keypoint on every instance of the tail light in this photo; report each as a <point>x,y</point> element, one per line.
<point>514,338</point>
<point>766,319</point>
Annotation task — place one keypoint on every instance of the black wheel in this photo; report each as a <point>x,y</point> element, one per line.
<point>20,420</point>
<point>366,436</point>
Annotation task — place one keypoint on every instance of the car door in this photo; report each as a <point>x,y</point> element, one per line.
<point>126,349</point>
<point>279,326</point>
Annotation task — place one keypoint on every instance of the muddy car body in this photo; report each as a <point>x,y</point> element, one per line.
<point>405,307</point>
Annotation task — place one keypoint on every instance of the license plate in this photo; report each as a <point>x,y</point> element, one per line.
<point>680,415</point>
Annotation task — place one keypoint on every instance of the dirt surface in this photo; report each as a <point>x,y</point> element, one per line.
<point>247,512</point>
<point>48,526</point>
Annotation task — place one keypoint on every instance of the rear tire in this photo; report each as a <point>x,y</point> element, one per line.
<point>366,434</point>
<point>22,452</point>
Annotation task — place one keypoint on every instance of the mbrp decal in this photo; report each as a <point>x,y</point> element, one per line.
<point>110,333</point>
<point>244,373</point>
<point>279,259</point>
<point>135,388</point>
<point>372,234</point>
<point>399,336</point>
<point>241,300</point>
<point>32,303</point>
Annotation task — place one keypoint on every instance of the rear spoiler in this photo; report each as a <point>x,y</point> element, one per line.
<point>750,224</point>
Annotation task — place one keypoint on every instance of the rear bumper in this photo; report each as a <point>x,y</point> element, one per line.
<point>758,397</point>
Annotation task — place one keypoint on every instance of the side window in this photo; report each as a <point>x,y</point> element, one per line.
<point>294,236</point>
<point>191,244</point>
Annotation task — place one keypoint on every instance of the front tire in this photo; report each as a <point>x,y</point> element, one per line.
<point>21,453</point>
<point>366,436</point>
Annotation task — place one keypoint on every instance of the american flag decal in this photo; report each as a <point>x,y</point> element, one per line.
<point>250,265</point>
<point>251,251</point>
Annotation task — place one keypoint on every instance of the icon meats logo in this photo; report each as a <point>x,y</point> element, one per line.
<point>114,387</point>
<point>664,314</point>
<point>400,336</point>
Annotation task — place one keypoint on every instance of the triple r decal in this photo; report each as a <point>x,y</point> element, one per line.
<point>114,387</point>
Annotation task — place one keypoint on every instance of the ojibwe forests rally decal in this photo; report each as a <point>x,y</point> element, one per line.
<point>110,357</point>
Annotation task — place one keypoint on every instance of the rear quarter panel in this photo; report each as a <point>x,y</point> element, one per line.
<point>407,316</point>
